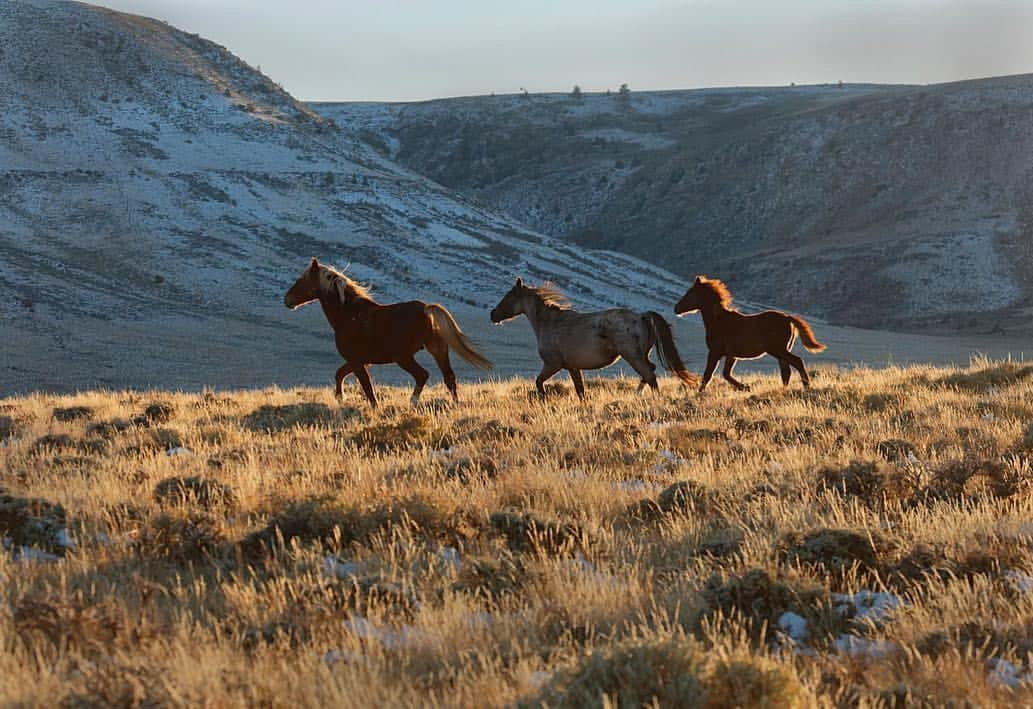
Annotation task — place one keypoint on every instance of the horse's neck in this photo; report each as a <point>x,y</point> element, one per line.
<point>339,314</point>
<point>537,312</point>
<point>713,313</point>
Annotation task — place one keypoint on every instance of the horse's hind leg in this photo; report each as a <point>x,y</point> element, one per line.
<point>788,359</point>
<point>798,365</point>
<point>418,373</point>
<point>362,374</point>
<point>729,366</point>
<point>786,370</point>
<point>579,382</point>
<point>645,369</point>
<point>439,351</point>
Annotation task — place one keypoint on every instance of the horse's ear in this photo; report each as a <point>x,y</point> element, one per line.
<point>315,264</point>
<point>519,282</point>
<point>699,279</point>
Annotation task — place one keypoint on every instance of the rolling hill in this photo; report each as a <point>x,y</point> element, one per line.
<point>873,206</point>
<point>158,195</point>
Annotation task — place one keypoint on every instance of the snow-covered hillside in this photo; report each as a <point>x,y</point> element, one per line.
<point>894,207</point>
<point>158,195</point>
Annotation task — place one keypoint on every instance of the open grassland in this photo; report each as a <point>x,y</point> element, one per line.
<point>865,542</point>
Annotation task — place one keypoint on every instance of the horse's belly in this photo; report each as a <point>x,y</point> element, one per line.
<point>595,361</point>
<point>750,354</point>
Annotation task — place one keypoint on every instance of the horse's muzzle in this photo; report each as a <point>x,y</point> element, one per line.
<point>495,316</point>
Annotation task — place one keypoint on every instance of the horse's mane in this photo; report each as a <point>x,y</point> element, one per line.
<point>719,289</point>
<point>332,280</point>
<point>550,296</point>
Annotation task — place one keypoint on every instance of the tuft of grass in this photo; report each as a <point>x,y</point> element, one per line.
<point>273,419</point>
<point>837,550</point>
<point>73,413</point>
<point>31,522</point>
<point>389,436</point>
<point>664,673</point>
<point>527,533</point>
<point>754,681</point>
<point>194,490</point>
<point>984,376</point>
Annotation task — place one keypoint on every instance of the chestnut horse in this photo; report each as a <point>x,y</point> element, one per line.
<point>574,341</point>
<point>731,335</point>
<point>367,332</point>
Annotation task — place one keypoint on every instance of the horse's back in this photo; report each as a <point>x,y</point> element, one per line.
<point>592,340</point>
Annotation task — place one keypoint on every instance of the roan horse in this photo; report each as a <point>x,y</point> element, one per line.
<point>732,335</point>
<point>367,332</point>
<point>574,341</point>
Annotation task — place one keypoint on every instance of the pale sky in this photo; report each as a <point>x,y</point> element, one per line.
<point>395,50</point>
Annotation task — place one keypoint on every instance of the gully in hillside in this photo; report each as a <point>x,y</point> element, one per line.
<point>367,332</point>
<point>574,341</point>
<point>732,335</point>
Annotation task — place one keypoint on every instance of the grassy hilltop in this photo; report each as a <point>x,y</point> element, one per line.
<point>864,542</point>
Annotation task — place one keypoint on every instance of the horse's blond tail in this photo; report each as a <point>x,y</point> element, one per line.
<point>666,351</point>
<point>448,328</point>
<point>806,334</point>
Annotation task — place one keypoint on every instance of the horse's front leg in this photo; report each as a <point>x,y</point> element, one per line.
<point>712,359</point>
<point>343,371</point>
<point>579,382</point>
<point>548,370</point>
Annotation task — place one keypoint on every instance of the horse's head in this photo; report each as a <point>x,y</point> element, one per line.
<point>692,300</point>
<point>511,305</point>
<point>305,289</point>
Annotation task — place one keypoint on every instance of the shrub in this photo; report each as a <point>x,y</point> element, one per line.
<point>272,419</point>
<point>396,435</point>
<point>32,522</point>
<point>159,412</point>
<point>527,533</point>
<point>7,428</point>
<point>982,378</point>
<point>664,673</point>
<point>73,413</point>
<point>834,550</point>
<point>753,682</point>
<point>194,491</point>
<point>180,537</point>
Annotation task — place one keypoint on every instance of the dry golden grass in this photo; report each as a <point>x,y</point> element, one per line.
<point>273,547</point>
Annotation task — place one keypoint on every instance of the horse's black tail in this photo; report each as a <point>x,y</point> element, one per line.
<point>666,352</point>
<point>806,334</point>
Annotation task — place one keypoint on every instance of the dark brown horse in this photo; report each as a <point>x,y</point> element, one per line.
<point>367,332</point>
<point>732,335</point>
